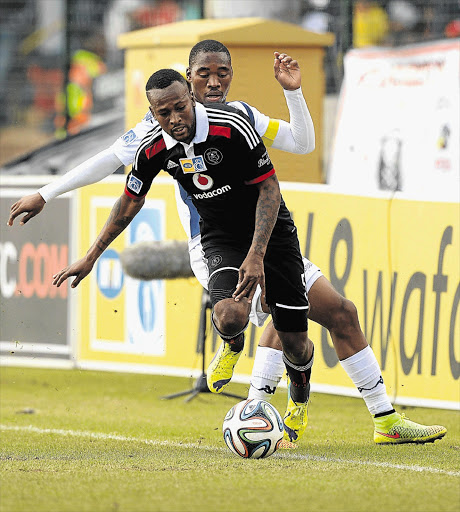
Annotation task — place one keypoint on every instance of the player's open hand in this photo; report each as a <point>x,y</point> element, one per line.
<point>251,274</point>
<point>287,71</point>
<point>31,205</point>
<point>80,268</point>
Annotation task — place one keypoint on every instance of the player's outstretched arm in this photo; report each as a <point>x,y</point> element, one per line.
<point>123,212</point>
<point>96,168</point>
<point>91,171</point>
<point>251,272</point>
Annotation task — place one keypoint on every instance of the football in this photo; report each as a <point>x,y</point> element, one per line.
<point>253,429</point>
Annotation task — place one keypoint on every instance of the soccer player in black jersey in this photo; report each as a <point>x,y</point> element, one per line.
<point>247,233</point>
<point>210,74</point>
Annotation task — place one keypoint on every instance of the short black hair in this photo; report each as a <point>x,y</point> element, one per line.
<point>164,78</point>
<point>207,46</point>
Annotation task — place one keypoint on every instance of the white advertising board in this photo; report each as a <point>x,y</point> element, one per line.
<point>397,125</point>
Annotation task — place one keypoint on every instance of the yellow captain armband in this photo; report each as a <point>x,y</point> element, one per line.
<point>271,132</point>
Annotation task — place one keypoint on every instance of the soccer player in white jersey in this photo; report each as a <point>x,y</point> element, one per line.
<point>210,74</point>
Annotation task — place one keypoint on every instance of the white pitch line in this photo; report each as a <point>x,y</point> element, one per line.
<point>281,455</point>
<point>404,467</point>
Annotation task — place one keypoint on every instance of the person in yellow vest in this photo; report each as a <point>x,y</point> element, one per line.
<point>85,67</point>
<point>370,24</point>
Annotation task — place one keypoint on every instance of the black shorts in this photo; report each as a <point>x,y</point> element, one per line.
<point>284,281</point>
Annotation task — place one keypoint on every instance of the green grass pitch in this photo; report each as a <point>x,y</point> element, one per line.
<point>96,441</point>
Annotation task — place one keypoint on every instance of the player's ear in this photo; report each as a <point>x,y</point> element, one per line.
<point>188,74</point>
<point>151,110</point>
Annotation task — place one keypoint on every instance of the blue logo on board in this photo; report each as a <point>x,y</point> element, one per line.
<point>109,274</point>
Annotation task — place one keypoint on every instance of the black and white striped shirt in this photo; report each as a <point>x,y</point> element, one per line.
<point>217,171</point>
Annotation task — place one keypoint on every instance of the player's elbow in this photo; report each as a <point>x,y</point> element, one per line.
<point>307,147</point>
<point>305,141</point>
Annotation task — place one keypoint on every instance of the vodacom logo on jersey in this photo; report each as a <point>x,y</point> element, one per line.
<point>202,181</point>
<point>205,182</point>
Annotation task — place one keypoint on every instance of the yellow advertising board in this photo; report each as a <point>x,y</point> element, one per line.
<point>397,259</point>
<point>125,322</point>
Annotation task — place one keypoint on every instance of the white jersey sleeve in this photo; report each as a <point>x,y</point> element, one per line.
<point>103,164</point>
<point>90,171</point>
<point>297,136</point>
<point>126,146</point>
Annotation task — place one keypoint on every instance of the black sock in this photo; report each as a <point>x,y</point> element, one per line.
<point>237,343</point>
<point>380,414</point>
<point>299,376</point>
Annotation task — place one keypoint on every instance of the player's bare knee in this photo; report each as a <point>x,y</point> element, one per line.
<point>231,317</point>
<point>296,345</point>
<point>344,318</point>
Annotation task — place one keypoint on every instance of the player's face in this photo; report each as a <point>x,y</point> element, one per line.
<point>210,76</point>
<point>173,108</point>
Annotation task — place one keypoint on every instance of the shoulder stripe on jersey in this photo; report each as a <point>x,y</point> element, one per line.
<point>237,118</point>
<point>261,178</point>
<point>251,143</point>
<point>244,126</point>
<point>155,148</point>
<point>249,112</point>
<point>145,142</point>
<point>224,131</point>
<point>152,130</point>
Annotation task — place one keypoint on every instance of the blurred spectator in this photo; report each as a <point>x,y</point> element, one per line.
<point>86,65</point>
<point>370,24</point>
<point>117,21</point>
<point>405,20</point>
<point>453,29</point>
<point>287,10</point>
<point>157,13</point>
<point>14,20</point>
<point>124,16</point>
<point>443,13</point>
<point>317,17</point>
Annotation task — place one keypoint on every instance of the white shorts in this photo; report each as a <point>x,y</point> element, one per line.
<point>256,315</point>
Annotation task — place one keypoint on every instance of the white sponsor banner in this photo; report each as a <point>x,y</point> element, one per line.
<point>397,126</point>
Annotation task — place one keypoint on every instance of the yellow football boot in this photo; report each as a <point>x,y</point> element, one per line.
<point>396,429</point>
<point>295,420</point>
<point>220,371</point>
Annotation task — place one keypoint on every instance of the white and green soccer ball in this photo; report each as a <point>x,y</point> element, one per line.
<point>253,429</point>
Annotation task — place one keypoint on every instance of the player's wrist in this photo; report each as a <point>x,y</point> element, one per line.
<point>40,197</point>
<point>257,251</point>
<point>46,193</point>
<point>293,92</point>
<point>93,254</point>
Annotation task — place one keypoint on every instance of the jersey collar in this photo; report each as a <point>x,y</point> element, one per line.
<point>201,132</point>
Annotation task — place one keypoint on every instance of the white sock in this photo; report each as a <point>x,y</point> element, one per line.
<point>364,370</point>
<point>266,373</point>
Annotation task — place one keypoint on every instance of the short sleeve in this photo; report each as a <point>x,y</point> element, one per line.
<point>125,147</point>
<point>260,121</point>
<point>146,166</point>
